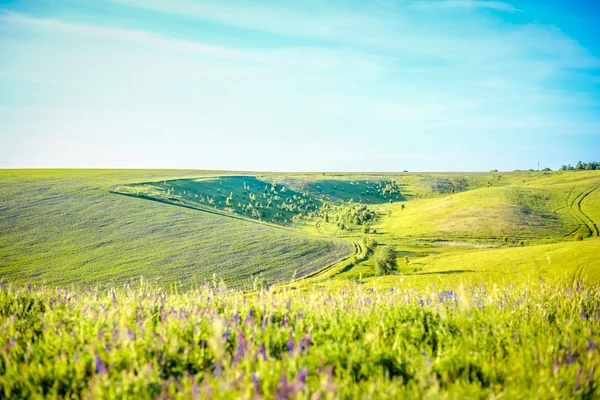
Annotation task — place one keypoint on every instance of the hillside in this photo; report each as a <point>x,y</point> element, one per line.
<point>551,206</point>
<point>64,226</point>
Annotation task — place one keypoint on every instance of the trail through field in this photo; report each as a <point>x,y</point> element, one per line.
<point>358,250</point>
<point>579,215</point>
<point>319,227</point>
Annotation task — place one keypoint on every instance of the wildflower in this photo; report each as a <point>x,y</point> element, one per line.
<point>572,357</point>
<point>302,374</point>
<point>284,390</point>
<point>100,368</point>
<point>290,344</point>
<point>306,342</point>
<point>256,385</point>
<point>241,348</point>
<point>591,345</point>
<point>262,352</point>
<point>447,296</point>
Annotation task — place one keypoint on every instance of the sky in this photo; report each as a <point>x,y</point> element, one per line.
<point>289,85</point>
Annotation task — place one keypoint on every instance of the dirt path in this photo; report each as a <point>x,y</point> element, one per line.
<point>579,215</point>
<point>357,252</point>
<point>319,227</point>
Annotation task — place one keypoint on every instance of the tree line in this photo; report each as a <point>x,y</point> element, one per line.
<point>582,166</point>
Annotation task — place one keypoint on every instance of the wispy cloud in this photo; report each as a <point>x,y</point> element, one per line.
<point>480,4</point>
<point>406,77</point>
<point>135,36</point>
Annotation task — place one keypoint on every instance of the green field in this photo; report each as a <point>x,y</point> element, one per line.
<point>221,284</point>
<point>184,227</point>
<point>62,227</point>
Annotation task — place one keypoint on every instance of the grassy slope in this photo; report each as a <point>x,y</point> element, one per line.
<point>525,206</point>
<point>63,226</point>
<point>532,206</point>
<point>560,262</point>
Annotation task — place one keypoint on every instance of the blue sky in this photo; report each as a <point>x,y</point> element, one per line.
<point>388,85</point>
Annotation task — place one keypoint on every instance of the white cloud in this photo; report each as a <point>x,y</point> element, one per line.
<point>481,4</point>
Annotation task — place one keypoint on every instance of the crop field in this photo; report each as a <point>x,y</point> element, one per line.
<point>223,284</point>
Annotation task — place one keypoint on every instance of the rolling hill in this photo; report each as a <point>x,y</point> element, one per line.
<point>64,226</point>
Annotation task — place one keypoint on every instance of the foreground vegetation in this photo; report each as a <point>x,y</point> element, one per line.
<point>524,341</point>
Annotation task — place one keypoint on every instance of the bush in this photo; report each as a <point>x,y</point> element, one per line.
<point>385,263</point>
<point>370,244</point>
<point>578,237</point>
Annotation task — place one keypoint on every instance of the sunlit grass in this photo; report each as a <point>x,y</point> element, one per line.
<point>514,341</point>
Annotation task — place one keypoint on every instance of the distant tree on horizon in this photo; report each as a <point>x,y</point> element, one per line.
<point>582,166</point>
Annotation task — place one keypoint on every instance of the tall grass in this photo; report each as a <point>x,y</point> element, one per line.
<point>527,341</point>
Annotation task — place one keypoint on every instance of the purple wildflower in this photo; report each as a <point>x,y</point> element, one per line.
<point>256,385</point>
<point>572,357</point>
<point>262,352</point>
<point>284,390</point>
<point>302,374</point>
<point>591,345</point>
<point>100,368</point>
<point>447,296</point>
<point>583,314</point>
<point>241,348</point>
<point>421,303</point>
<point>290,344</point>
<point>306,342</point>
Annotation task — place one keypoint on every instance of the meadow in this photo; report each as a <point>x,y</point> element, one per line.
<point>225,284</point>
<point>530,340</point>
<point>62,226</point>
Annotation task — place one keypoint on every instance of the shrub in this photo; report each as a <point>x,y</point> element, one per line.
<point>578,237</point>
<point>385,263</point>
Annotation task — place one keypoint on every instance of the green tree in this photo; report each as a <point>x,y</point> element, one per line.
<point>385,262</point>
